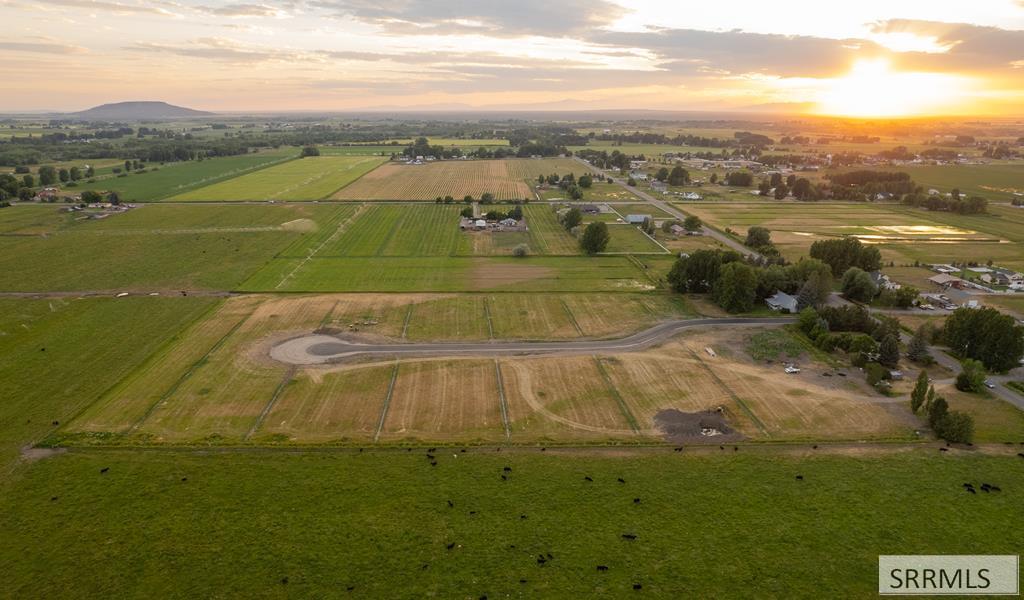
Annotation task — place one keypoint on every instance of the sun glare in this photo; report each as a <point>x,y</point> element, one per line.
<point>873,89</point>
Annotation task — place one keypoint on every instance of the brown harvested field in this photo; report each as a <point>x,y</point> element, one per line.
<point>320,406</point>
<point>226,394</point>
<point>445,400</point>
<point>373,315</point>
<point>506,179</point>
<point>561,399</point>
<point>670,377</point>
<point>804,405</point>
<point>612,316</point>
<point>123,407</point>
<point>530,316</point>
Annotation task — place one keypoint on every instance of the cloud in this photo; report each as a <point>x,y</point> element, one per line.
<point>743,52</point>
<point>104,6</point>
<point>42,47</point>
<point>499,18</point>
<point>219,49</point>
<point>971,47</point>
<point>244,10</point>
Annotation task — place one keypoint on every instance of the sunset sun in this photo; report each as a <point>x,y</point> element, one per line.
<point>873,89</point>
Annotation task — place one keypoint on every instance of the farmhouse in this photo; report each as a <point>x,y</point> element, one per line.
<point>945,280</point>
<point>782,302</point>
<point>47,193</point>
<point>506,224</point>
<point>883,282</point>
<point>677,229</point>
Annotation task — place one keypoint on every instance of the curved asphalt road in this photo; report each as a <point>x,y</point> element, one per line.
<point>318,348</point>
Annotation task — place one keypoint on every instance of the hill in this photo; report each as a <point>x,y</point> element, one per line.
<point>139,110</point>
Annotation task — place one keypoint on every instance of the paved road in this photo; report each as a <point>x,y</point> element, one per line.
<point>675,212</point>
<point>319,348</point>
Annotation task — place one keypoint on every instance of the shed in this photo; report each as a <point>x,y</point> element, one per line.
<point>637,219</point>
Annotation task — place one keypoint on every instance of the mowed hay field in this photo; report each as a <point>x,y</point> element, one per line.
<point>154,247</point>
<point>309,178</point>
<point>506,179</point>
<point>159,182</point>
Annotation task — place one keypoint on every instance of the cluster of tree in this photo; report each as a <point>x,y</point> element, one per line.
<point>660,138</point>
<point>760,239</point>
<point>873,344</point>
<point>421,147</point>
<point>857,285</point>
<point>861,185</point>
<point>952,426</point>
<point>737,285</point>
<point>310,151</point>
<point>677,176</point>
<point>956,203</point>
<point>986,335</point>
<point>746,138</point>
<point>842,253</point>
<point>572,186</point>
<point>795,139</point>
<point>602,159</point>
<point>739,179</point>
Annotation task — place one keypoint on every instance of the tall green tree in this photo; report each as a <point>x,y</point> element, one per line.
<point>595,238</point>
<point>986,335</point>
<point>971,377</point>
<point>889,351</point>
<point>572,218</point>
<point>917,349</point>
<point>736,288</point>
<point>758,237</point>
<point>858,286</point>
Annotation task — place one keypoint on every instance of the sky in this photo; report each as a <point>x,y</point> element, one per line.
<point>859,58</point>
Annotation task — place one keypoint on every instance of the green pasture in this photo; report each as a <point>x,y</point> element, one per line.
<point>162,181</point>
<point>310,178</point>
<point>378,524</point>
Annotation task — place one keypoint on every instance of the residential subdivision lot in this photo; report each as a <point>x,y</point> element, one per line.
<point>506,179</point>
<point>217,382</point>
<point>309,178</point>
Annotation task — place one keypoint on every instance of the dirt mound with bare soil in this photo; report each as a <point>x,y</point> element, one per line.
<point>707,426</point>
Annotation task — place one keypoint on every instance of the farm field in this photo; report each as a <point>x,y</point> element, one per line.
<point>33,219</point>
<point>446,274</point>
<point>93,343</point>
<point>143,250</point>
<point>310,178</point>
<point>902,234</point>
<point>49,544</point>
<point>1014,303</point>
<point>629,239</point>
<point>162,181</point>
<point>507,179</point>
<point>993,181</point>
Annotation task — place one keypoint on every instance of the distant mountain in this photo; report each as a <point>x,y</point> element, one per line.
<point>134,111</point>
